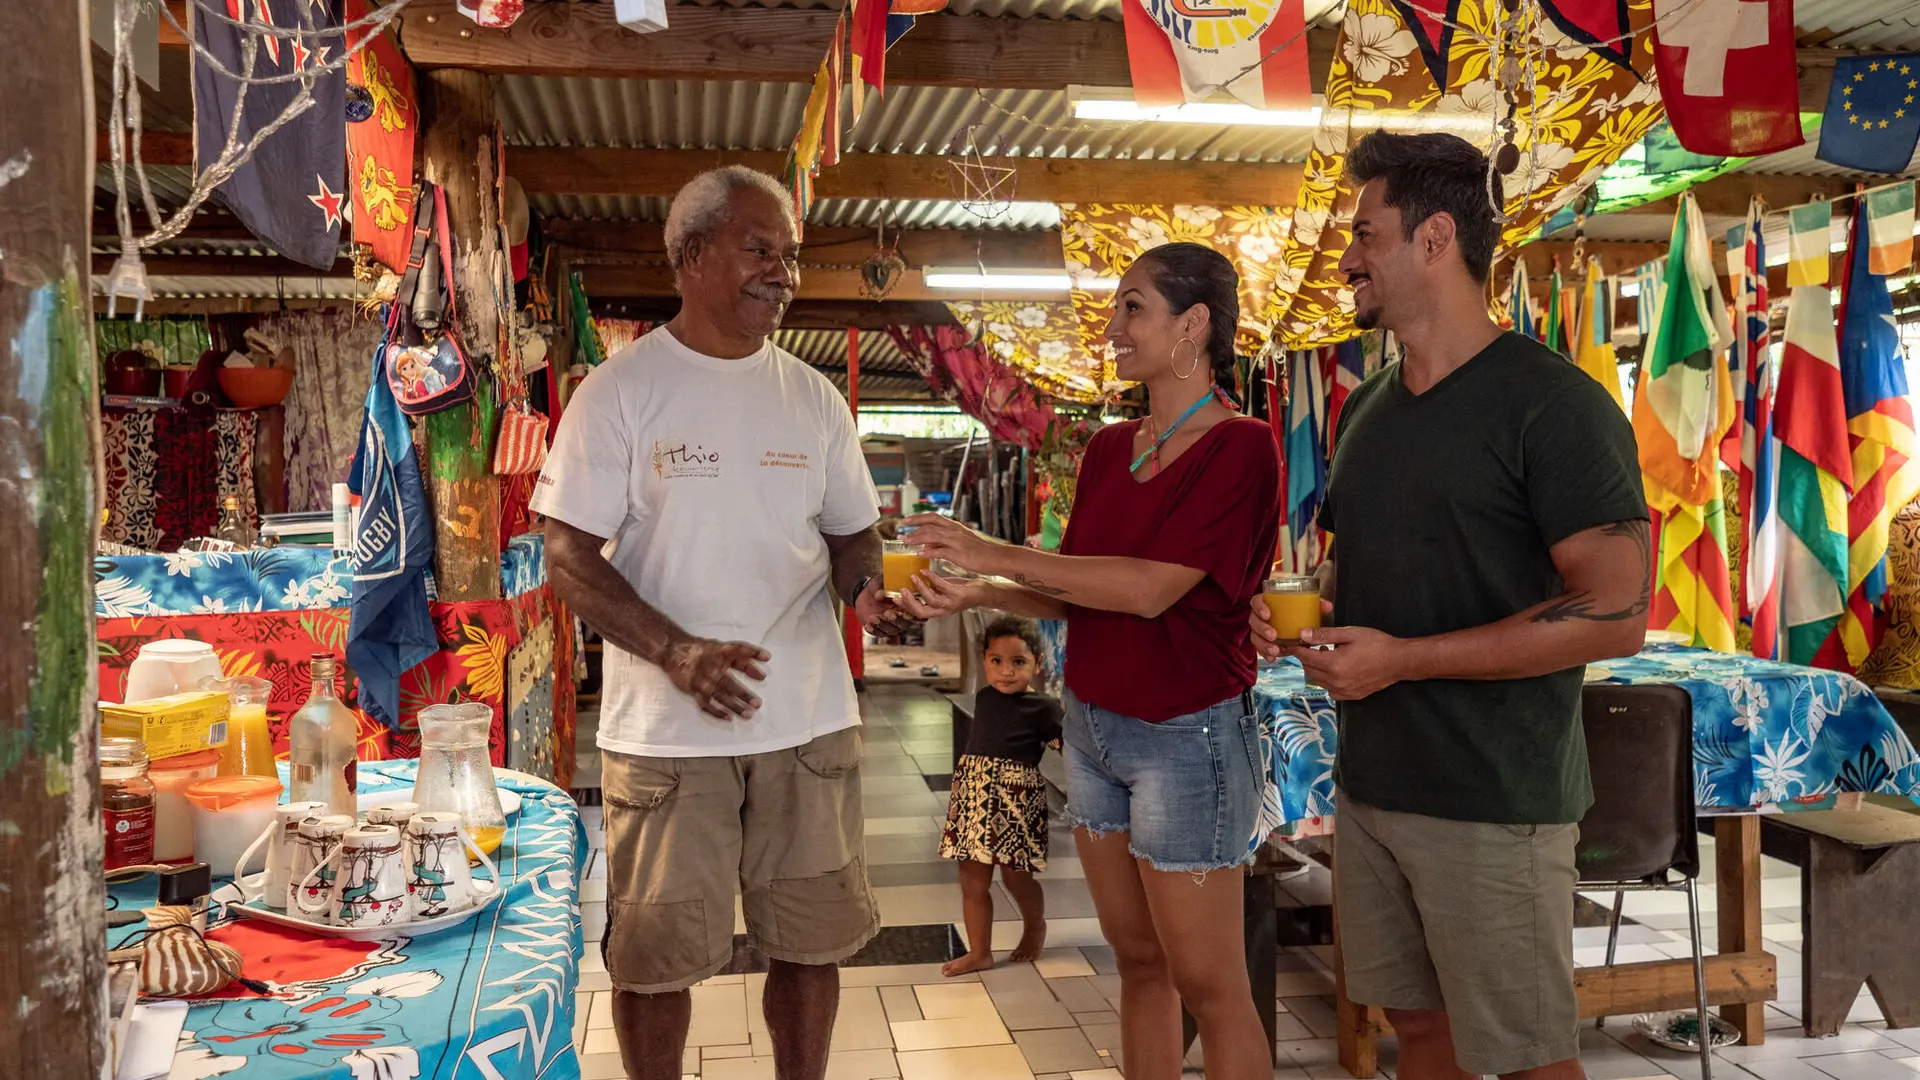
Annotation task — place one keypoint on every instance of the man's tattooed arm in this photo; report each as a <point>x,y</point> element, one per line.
<point>1583,604</point>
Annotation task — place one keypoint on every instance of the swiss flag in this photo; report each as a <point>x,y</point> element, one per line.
<point>1727,74</point>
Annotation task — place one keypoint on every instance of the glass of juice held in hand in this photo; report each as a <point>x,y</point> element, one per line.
<point>899,563</point>
<point>1293,605</point>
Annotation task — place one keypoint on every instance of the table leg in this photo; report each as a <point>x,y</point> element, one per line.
<point>1737,865</point>
<point>1356,1026</point>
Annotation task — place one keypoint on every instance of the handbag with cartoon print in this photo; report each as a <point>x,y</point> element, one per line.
<point>425,365</point>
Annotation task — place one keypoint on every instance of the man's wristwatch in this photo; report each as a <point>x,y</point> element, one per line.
<point>859,590</point>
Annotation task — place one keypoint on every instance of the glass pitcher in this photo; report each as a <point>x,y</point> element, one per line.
<point>249,749</point>
<point>455,775</point>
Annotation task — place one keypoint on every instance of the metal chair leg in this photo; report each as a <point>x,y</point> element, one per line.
<point>1700,981</point>
<point>1613,942</point>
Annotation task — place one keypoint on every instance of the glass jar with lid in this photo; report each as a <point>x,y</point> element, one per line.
<point>126,802</point>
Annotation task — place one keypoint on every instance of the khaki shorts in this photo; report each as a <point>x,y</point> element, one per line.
<point>1468,917</point>
<point>685,835</point>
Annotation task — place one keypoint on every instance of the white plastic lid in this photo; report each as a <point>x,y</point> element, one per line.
<point>177,650</point>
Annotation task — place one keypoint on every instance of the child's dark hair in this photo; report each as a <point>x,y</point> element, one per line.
<point>1013,626</point>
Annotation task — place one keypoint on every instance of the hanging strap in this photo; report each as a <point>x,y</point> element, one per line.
<point>416,257</point>
<point>450,323</point>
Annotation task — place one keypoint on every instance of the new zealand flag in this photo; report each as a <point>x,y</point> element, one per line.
<point>391,628</point>
<point>291,193</point>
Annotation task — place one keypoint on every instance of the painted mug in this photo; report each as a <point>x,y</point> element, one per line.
<point>372,880</point>
<point>311,886</point>
<point>397,814</point>
<point>276,883</point>
<point>439,879</point>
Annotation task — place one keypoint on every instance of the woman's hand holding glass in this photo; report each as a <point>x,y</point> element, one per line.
<point>933,596</point>
<point>943,538</point>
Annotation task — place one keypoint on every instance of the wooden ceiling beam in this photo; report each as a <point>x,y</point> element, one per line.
<point>783,45</point>
<point>802,314</point>
<point>608,280</point>
<point>578,170</point>
<point>172,266</point>
<point>1616,256</point>
<point>1728,194</point>
<point>204,226</point>
<point>1030,249</point>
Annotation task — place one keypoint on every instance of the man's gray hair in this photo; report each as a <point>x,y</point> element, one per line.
<point>703,205</point>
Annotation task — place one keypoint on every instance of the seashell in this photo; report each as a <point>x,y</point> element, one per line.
<point>174,962</point>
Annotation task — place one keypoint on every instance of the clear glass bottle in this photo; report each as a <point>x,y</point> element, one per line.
<point>320,745</point>
<point>126,802</point>
<point>233,526</point>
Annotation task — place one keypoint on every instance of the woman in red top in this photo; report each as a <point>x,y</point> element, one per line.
<point>1172,530</point>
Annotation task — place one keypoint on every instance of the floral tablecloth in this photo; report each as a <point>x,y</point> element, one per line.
<point>1766,735</point>
<point>489,999</point>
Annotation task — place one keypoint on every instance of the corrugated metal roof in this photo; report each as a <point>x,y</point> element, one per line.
<point>828,349</point>
<point>291,287</point>
<point>831,213</point>
<point>1800,161</point>
<point>1859,24</point>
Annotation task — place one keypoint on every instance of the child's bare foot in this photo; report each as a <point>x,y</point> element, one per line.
<point>1031,942</point>
<point>967,965</point>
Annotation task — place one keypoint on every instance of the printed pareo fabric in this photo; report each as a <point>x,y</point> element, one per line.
<point>1102,240</point>
<point>997,814</point>
<point>1589,105</point>
<point>492,998</point>
<point>327,403</point>
<point>1041,341</point>
<point>167,471</point>
<point>1765,734</point>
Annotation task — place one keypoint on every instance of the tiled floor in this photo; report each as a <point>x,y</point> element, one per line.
<point>1058,1019</point>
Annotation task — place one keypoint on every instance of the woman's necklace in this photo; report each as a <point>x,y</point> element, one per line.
<point>1153,452</point>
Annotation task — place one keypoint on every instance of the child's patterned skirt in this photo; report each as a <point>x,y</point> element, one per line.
<point>997,814</point>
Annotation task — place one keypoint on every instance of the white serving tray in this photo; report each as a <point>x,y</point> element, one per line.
<point>258,910</point>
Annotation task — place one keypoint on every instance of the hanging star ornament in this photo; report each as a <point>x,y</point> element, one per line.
<point>328,201</point>
<point>985,191</point>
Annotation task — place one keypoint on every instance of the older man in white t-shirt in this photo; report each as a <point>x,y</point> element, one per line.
<point>705,492</point>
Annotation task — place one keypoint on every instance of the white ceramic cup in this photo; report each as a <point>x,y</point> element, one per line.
<point>372,882</point>
<point>313,883</point>
<point>274,885</point>
<point>439,879</point>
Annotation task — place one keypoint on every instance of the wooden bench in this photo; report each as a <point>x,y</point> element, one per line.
<point>1859,907</point>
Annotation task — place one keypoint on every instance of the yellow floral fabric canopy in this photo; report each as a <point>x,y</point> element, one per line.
<point>1042,342</point>
<point>1101,241</point>
<point>1431,66</point>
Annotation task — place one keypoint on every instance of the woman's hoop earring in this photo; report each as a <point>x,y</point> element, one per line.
<point>1174,358</point>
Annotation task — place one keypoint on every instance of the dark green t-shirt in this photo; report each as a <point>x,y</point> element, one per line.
<point>1443,508</point>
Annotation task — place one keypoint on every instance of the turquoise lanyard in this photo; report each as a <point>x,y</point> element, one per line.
<point>1154,450</point>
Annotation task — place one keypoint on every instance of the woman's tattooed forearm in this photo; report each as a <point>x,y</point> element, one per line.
<point>1583,604</point>
<point>1033,584</point>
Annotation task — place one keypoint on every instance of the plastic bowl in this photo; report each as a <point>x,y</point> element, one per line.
<point>255,388</point>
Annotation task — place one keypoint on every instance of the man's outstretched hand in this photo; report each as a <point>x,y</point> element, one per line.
<point>707,670</point>
<point>881,614</point>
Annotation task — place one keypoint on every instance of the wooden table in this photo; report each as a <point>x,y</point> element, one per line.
<point>1741,978</point>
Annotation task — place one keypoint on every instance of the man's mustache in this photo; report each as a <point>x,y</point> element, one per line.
<point>772,294</point>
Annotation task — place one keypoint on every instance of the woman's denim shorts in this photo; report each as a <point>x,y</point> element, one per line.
<point>1187,791</point>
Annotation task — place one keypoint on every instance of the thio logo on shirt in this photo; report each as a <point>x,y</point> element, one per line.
<point>674,459</point>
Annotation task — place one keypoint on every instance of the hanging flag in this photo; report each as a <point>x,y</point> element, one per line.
<point>380,147</point>
<point>292,192</point>
<point>1555,331</point>
<point>867,52</point>
<point>1187,50</point>
<point>1520,303</point>
<point>1649,279</point>
<point>1593,348</point>
<point>1816,473</point>
<point>817,143</point>
<point>1349,371</point>
<point>1890,227</point>
<point>1684,404</point>
<point>1886,474</point>
<point>1758,468</point>
<point>1306,424</point>
<point>1809,229</point>
<point>1871,122</point>
<point>390,628</point>
<point>1727,74</point>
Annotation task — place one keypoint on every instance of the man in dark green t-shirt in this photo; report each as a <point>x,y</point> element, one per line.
<point>1490,539</point>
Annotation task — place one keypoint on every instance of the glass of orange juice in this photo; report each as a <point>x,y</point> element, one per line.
<point>1293,605</point>
<point>899,563</point>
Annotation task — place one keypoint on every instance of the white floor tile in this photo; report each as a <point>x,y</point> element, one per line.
<point>897,975</point>
<point>602,1014</point>
<point>974,1063</point>
<point>1057,1050</point>
<point>1288,984</point>
<point>600,1042</point>
<point>1023,999</point>
<point>1316,1013</point>
<point>602,1067</point>
<point>1861,1065</point>
<point>1078,995</point>
<point>1098,1074</point>
<point>1852,1037</point>
<point>862,1065</point>
<point>719,1016</point>
<point>721,1053</point>
<point>746,1068</point>
<point>957,1001</point>
<point>948,1034</point>
<point>1062,963</point>
<point>901,1003</point>
<point>862,1023</point>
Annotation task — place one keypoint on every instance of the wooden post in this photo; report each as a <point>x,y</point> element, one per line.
<point>856,640</point>
<point>1736,844</point>
<point>458,153</point>
<point>53,966</point>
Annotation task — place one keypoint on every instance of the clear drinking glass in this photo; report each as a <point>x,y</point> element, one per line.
<point>455,774</point>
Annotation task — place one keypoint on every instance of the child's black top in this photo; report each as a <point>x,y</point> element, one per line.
<point>1013,726</point>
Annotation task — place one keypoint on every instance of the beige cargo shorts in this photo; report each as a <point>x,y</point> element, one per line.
<point>1468,917</point>
<point>783,830</point>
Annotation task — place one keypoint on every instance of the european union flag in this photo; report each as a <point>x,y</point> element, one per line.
<point>1873,113</point>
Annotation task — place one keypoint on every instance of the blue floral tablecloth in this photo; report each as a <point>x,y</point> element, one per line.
<point>1766,735</point>
<point>489,999</point>
<point>285,578</point>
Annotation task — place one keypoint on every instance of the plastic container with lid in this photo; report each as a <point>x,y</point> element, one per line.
<point>171,666</point>
<point>172,815</point>
<point>126,802</point>
<point>229,814</point>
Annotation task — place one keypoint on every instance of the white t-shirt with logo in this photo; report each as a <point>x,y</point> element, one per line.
<point>714,480</point>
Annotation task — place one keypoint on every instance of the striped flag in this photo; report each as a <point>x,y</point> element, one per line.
<point>1520,303</point>
<point>1683,406</point>
<point>1593,352</point>
<point>1557,332</point>
<point>1307,396</point>
<point>1349,371</point>
<point>1886,475</point>
<point>1648,282</point>
<point>1759,464</point>
<point>1816,472</point>
<point>1809,229</point>
<point>1890,227</point>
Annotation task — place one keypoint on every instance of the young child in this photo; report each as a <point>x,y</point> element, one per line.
<point>997,815</point>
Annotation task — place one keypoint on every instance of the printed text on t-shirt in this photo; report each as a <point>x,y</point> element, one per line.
<point>674,459</point>
<point>781,459</point>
